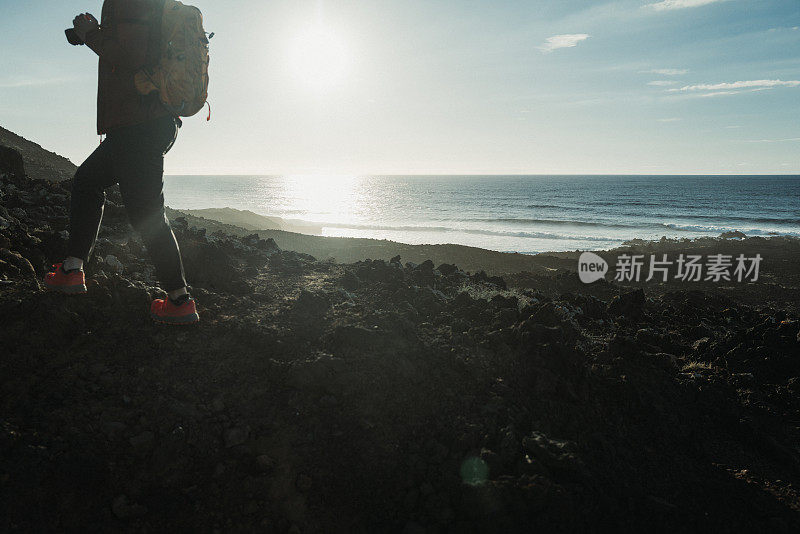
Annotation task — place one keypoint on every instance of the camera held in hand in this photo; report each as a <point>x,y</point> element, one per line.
<point>72,37</point>
<point>83,20</point>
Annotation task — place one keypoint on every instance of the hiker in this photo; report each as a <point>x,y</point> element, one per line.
<point>139,130</point>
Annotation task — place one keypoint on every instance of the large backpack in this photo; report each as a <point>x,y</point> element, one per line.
<point>179,70</point>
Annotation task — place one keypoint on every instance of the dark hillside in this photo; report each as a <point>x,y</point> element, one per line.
<point>39,163</point>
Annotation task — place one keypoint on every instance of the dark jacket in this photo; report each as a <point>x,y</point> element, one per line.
<point>126,41</point>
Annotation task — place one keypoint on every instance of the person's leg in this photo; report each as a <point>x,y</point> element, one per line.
<point>86,205</point>
<point>140,169</point>
<point>86,213</point>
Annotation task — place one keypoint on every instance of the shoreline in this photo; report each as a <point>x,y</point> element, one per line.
<point>438,235</point>
<point>350,249</point>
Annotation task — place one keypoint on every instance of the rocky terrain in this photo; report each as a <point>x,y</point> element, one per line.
<point>385,396</point>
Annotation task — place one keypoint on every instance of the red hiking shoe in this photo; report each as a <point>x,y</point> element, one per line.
<point>182,311</point>
<point>71,282</point>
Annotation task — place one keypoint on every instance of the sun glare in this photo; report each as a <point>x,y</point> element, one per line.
<point>323,197</point>
<point>319,58</point>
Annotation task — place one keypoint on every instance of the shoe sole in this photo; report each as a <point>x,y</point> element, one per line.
<point>186,319</point>
<point>67,290</point>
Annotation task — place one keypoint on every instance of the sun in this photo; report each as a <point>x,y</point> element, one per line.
<point>319,58</point>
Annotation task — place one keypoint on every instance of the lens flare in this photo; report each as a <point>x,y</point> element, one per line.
<point>474,471</point>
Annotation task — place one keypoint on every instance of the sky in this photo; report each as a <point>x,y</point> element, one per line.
<point>448,86</point>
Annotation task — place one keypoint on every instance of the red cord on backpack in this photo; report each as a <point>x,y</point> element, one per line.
<point>209,111</point>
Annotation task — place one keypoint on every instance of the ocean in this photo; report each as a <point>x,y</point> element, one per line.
<point>526,214</point>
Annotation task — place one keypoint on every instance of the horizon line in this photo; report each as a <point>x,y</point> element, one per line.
<point>483,174</point>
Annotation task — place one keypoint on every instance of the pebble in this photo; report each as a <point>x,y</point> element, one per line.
<point>700,344</point>
<point>114,263</point>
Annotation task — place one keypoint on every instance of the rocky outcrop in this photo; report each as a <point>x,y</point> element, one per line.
<point>11,162</point>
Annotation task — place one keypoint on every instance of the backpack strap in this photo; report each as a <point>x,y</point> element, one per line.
<point>154,39</point>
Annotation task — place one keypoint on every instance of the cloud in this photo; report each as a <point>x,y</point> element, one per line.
<point>667,72</point>
<point>567,40</point>
<point>745,84</point>
<point>665,5</point>
<point>661,83</point>
<point>670,119</point>
<point>713,93</point>
<point>18,82</point>
<point>789,140</point>
<point>718,93</point>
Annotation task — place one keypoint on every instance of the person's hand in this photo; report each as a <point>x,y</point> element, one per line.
<point>84,23</point>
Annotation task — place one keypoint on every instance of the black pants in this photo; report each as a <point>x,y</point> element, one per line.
<point>133,157</point>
